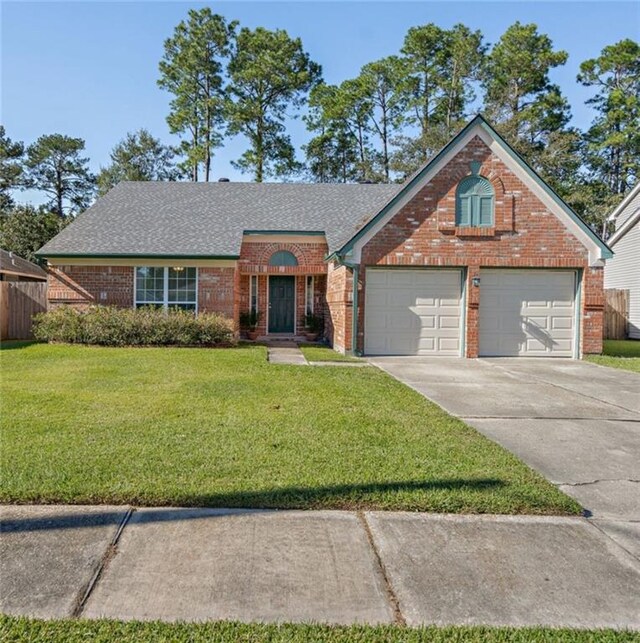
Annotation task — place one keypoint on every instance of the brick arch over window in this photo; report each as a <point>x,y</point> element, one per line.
<point>505,199</point>
<point>274,248</point>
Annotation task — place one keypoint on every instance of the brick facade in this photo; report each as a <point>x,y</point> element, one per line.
<point>217,291</point>
<point>83,286</point>
<point>525,235</point>
<point>339,297</point>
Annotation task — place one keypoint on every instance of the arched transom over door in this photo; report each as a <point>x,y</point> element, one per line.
<point>283,258</point>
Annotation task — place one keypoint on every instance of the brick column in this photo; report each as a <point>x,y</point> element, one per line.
<point>592,311</point>
<point>473,313</point>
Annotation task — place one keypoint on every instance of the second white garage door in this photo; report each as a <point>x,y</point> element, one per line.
<point>527,313</point>
<point>412,312</point>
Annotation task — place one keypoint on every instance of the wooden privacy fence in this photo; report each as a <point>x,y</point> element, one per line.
<point>616,313</point>
<point>19,302</point>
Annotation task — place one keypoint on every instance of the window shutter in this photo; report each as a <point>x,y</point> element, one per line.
<point>463,211</point>
<point>485,211</point>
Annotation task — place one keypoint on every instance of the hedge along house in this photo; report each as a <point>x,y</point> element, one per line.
<point>473,255</point>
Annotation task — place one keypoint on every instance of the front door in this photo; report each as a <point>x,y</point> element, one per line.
<point>282,302</point>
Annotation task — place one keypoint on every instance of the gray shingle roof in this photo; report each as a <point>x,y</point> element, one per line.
<point>208,219</point>
<point>11,263</point>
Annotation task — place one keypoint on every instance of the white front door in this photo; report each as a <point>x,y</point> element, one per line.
<point>527,313</point>
<point>413,312</point>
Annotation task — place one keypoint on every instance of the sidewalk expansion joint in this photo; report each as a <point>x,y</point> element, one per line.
<point>391,595</point>
<point>593,523</point>
<point>111,551</point>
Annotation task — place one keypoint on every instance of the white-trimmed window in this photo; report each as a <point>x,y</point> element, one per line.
<point>309,295</point>
<point>167,287</point>
<point>253,293</point>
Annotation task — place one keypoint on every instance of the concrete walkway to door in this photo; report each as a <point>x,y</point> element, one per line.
<point>576,423</point>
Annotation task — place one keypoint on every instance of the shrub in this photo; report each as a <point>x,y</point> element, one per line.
<point>250,319</point>
<point>314,323</point>
<point>109,326</point>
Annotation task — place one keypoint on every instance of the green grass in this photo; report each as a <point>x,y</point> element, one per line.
<point>223,427</point>
<point>623,353</point>
<point>325,354</point>
<point>103,631</point>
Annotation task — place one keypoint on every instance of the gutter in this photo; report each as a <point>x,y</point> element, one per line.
<point>68,255</point>
<point>355,268</point>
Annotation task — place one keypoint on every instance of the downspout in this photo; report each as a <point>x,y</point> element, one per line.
<point>354,308</point>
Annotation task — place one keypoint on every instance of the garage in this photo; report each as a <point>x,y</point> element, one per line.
<point>529,313</point>
<point>413,312</point>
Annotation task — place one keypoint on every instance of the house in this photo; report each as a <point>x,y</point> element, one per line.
<point>472,255</point>
<point>623,271</point>
<point>14,268</point>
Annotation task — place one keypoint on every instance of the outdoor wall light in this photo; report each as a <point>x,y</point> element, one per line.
<point>475,281</point>
<point>178,268</point>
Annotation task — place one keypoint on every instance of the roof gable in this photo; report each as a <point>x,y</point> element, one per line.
<point>626,215</point>
<point>479,127</point>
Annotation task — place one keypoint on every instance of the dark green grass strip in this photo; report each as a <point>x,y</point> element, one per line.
<point>80,631</point>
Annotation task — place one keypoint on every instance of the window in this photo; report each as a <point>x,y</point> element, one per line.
<point>253,294</point>
<point>166,287</point>
<point>309,296</point>
<point>283,258</point>
<point>474,202</point>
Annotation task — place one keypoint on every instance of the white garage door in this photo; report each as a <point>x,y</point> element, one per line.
<point>412,312</point>
<point>527,312</point>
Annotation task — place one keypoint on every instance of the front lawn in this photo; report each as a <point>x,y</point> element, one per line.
<point>619,353</point>
<point>224,428</point>
<point>103,631</point>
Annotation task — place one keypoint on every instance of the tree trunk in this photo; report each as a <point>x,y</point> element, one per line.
<point>207,152</point>
<point>59,194</point>
<point>385,137</point>
<point>259,151</point>
<point>194,169</point>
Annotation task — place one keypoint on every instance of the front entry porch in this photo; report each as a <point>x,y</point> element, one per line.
<point>283,302</point>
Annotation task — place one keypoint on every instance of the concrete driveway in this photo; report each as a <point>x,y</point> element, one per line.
<point>576,423</point>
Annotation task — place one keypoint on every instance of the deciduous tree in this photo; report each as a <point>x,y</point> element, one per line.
<point>25,229</point>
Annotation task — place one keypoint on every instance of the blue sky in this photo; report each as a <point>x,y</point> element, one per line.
<point>89,69</point>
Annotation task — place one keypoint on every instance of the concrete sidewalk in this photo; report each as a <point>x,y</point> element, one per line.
<point>322,566</point>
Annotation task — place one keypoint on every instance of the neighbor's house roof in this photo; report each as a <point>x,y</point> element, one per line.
<point>207,220</point>
<point>626,215</point>
<point>10,263</point>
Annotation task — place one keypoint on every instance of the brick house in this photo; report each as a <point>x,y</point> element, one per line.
<point>472,255</point>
